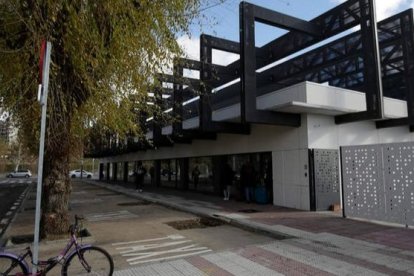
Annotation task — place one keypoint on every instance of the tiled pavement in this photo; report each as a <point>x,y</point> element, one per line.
<point>288,257</point>
<point>318,243</point>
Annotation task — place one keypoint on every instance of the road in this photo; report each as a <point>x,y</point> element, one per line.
<point>137,233</point>
<point>11,195</point>
<point>144,240</point>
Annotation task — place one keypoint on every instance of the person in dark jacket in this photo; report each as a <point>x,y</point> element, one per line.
<point>196,176</point>
<point>226,180</point>
<point>248,180</point>
<point>139,176</point>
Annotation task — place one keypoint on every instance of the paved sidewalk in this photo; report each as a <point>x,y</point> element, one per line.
<point>306,243</point>
<point>301,243</point>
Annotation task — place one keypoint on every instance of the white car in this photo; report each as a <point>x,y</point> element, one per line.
<point>20,173</point>
<point>77,174</point>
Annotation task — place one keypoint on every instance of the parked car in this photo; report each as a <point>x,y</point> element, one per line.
<point>77,174</point>
<point>20,173</point>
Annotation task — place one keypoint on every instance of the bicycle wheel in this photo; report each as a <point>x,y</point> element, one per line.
<point>90,261</point>
<point>11,266</point>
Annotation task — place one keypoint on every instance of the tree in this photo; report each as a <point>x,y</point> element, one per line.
<point>19,153</point>
<point>105,54</point>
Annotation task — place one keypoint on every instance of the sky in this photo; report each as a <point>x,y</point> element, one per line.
<point>222,20</point>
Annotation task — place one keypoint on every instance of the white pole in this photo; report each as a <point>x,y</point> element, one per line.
<point>43,103</point>
<point>93,167</point>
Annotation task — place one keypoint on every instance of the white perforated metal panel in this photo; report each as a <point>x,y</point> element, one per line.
<point>363,182</point>
<point>378,182</point>
<point>399,182</point>
<point>326,178</point>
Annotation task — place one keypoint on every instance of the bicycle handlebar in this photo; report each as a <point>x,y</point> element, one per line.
<point>74,227</point>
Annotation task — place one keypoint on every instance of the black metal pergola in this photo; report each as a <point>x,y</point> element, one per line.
<point>377,60</point>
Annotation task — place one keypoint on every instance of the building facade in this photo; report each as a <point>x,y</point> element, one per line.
<point>289,115</point>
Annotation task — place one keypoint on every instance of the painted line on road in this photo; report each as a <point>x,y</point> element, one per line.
<point>85,201</point>
<point>171,237</point>
<point>123,214</point>
<point>198,252</point>
<point>159,249</point>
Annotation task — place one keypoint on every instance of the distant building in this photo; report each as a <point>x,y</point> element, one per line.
<point>5,130</point>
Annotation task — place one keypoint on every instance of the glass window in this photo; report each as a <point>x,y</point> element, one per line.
<point>120,171</point>
<point>131,168</point>
<point>262,164</point>
<point>111,171</point>
<point>148,165</point>
<point>169,171</point>
<point>201,174</point>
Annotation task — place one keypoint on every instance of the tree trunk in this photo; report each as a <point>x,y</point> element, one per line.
<point>55,200</point>
<point>56,182</point>
<point>18,158</point>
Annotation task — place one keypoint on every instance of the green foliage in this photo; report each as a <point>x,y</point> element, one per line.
<point>104,57</point>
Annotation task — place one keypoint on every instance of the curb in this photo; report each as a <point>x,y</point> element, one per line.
<point>239,223</point>
<point>23,197</point>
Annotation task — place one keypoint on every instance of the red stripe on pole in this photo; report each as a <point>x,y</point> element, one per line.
<point>41,60</point>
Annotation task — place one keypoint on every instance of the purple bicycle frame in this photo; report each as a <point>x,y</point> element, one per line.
<point>23,261</point>
<point>51,262</point>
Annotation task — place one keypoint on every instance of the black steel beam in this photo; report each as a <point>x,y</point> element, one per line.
<point>189,63</point>
<point>341,59</point>
<point>408,53</point>
<point>372,68</point>
<point>197,134</point>
<point>211,75</point>
<point>248,109</point>
<point>158,139</point>
<point>392,122</point>
<point>284,21</point>
<point>407,34</point>
<point>340,18</point>
<point>177,112</point>
<point>220,44</point>
<point>178,134</point>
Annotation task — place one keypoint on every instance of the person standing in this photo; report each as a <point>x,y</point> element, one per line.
<point>152,175</point>
<point>196,176</point>
<point>139,176</point>
<point>226,180</point>
<point>248,179</point>
<point>268,179</point>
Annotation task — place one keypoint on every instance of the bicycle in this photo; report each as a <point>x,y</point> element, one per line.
<point>91,260</point>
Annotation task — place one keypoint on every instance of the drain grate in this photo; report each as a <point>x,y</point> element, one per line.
<point>195,223</point>
<point>21,239</point>
<point>141,203</point>
<point>248,211</point>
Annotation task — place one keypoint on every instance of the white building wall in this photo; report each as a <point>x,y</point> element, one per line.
<point>262,138</point>
<point>290,178</point>
<point>323,133</point>
<point>289,152</point>
<point>289,147</point>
